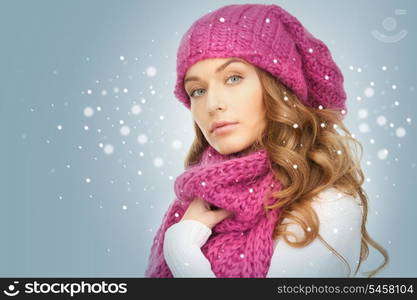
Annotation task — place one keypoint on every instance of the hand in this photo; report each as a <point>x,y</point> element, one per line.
<point>199,210</point>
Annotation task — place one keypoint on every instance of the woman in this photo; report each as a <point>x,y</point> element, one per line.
<point>271,188</point>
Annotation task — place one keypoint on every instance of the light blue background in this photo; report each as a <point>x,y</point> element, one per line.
<point>54,223</point>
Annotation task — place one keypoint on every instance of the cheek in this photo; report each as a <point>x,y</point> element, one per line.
<point>195,117</point>
<point>257,104</point>
<point>200,121</point>
<point>256,118</point>
<point>252,107</point>
<point>195,112</point>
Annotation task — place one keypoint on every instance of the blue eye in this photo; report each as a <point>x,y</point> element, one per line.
<point>238,76</point>
<point>192,92</point>
<point>234,76</point>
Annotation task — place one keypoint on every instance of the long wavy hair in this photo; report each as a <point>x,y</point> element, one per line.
<point>325,158</point>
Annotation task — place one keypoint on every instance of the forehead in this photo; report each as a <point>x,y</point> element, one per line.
<point>215,65</point>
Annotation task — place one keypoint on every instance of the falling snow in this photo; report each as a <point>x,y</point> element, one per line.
<point>136,109</point>
<point>364,127</point>
<point>125,130</point>
<point>88,111</point>
<point>382,154</point>
<point>369,92</point>
<point>108,149</point>
<point>142,139</point>
<point>381,120</point>
<point>363,113</point>
<point>400,132</point>
<point>158,162</point>
<point>151,71</point>
<point>176,144</point>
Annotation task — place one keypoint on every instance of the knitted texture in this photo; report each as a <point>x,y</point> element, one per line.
<point>240,245</point>
<point>272,39</point>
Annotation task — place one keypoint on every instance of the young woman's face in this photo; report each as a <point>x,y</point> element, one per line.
<point>226,89</point>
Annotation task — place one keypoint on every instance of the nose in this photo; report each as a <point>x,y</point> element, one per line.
<point>215,99</point>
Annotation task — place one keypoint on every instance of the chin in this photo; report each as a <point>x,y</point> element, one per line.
<point>229,147</point>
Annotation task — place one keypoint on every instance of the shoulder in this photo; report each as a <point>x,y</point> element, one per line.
<point>333,208</point>
<point>332,204</point>
<point>340,219</point>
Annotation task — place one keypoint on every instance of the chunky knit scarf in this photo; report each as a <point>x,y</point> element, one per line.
<point>240,245</point>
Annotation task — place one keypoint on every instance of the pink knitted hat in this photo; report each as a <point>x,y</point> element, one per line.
<point>269,37</point>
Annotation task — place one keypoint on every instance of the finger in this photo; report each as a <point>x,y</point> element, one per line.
<point>201,204</point>
<point>207,205</point>
<point>214,207</point>
<point>222,214</point>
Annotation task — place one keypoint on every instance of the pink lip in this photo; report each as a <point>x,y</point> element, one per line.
<point>225,129</point>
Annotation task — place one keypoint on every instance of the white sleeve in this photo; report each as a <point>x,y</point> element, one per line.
<point>182,243</point>
<point>340,226</point>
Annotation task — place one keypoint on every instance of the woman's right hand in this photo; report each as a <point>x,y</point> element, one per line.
<point>199,210</point>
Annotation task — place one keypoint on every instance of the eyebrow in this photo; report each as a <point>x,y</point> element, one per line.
<point>218,70</point>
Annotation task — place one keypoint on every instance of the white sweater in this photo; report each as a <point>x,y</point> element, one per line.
<point>340,218</point>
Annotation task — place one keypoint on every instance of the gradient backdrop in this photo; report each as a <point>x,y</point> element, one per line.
<point>92,137</point>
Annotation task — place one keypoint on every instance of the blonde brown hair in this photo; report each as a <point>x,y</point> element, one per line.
<point>323,156</point>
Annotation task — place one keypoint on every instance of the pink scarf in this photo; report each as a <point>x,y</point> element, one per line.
<point>241,245</point>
